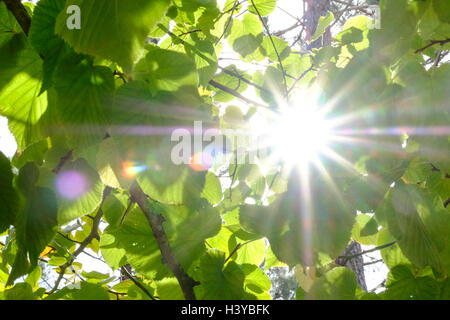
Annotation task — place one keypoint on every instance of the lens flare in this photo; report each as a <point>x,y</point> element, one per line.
<point>207,159</point>
<point>131,169</point>
<point>72,184</point>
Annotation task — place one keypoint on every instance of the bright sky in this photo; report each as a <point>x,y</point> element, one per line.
<point>282,18</point>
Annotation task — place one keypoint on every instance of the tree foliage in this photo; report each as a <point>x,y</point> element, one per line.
<point>88,108</point>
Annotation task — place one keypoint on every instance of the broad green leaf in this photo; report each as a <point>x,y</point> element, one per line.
<point>8,21</point>
<point>403,285</point>
<point>204,55</point>
<point>169,289</point>
<point>35,152</point>
<point>367,224</point>
<point>185,229</point>
<point>286,222</point>
<point>391,255</point>
<point>9,201</point>
<point>21,291</point>
<point>279,46</point>
<point>252,252</point>
<point>167,71</point>
<point>229,81</point>
<point>420,226</point>
<point>84,94</point>
<point>213,189</point>
<point>246,35</point>
<point>36,228</point>
<point>256,282</point>
<point>77,187</point>
<point>442,9</point>
<point>271,260</point>
<point>324,22</point>
<point>219,281</point>
<point>43,38</point>
<point>112,251</point>
<point>90,291</point>
<point>337,284</point>
<point>114,30</point>
<point>263,7</point>
<point>20,87</point>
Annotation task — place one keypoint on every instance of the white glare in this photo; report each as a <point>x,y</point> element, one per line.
<point>297,134</point>
<point>301,133</point>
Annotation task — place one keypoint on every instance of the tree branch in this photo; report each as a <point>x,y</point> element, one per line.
<point>236,94</point>
<point>20,13</point>
<point>92,235</point>
<point>155,220</point>
<point>432,43</point>
<point>342,260</point>
<point>62,162</point>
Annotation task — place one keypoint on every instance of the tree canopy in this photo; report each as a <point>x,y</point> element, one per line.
<point>355,147</point>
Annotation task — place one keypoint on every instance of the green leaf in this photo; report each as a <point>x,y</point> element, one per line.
<point>279,46</point>
<point>169,289</point>
<point>112,251</point>
<point>324,22</point>
<point>420,226</point>
<point>442,9</point>
<point>167,70</point>
<point>252,252</point>
<point>219,281</point>
<point>8,21</point>
<point>391,255</point>
<point>401,284</point>
<point>186,230</point>
<point>114,30</point>
<point>285,221</point>
<point>213,189</point>
<point>246,35</point>
<point>77,187</point>
<point>264,7</point>
<point>230,82</point>
<point>337,284</point>
<point>90,291</point>
<point>369,226</point>
<point>204,55</point>
<point>83,97</point>
<point>9,201</point>
<point>36,228</point>
<point>21,291</point>
<point>20,87</point>
<point>43,38</point>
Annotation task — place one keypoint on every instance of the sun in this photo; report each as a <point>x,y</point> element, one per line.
<point>300,134</point>
<point>297,134</point>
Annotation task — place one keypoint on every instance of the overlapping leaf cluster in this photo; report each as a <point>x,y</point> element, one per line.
<point>87,101</point>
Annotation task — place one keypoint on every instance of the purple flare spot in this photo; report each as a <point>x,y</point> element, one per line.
<point>71,184</point>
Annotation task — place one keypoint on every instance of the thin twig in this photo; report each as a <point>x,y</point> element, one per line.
<point>137,283</point>
<point>236,94</point>
<point>432,43</point>
<point>68,238</point>
<point>92,235</point>
<point>347,258</point>
<point>63,161</point>
<point>238,246</point>
<point>229,20</point>
<point>274,47</point>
